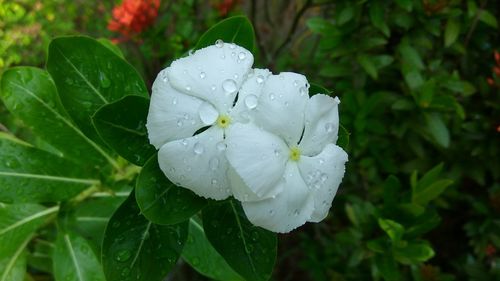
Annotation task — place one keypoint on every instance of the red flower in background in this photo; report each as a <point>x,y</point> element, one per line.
<point>225,6</point>
<point>133,16</point>
<point>496,70</point>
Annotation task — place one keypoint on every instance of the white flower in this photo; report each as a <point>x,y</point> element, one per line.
<point>198,92</point>
<point>285,166</point>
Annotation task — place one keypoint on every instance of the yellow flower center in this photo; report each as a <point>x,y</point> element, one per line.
<point>294,154</point>
<point>223,121</point>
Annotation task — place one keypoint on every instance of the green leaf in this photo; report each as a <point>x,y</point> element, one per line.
<point>122,126</point>
<point>88,76</point>
<point>451,32</point>
<point>346,14</point>
<point>236,30</point>
<point>18,223</point>
<point>344,135</point>
<point>423,196</point>
<point>438,129</point>
<point>320,25</point>
<point>200,254</point>
<point>318,89</point>
<point>30,94</point>
<point>31,175</point>
<point>110,45</point>
<point>488,18</point>
<point>134,246</point>
<point>161,201</point>
<point>392,187</point>
<point>405,4</point>
<point>13,267</point>
<point>429,177</point>
<point>74,259</point>
<point>248,249</point>
<point>387,267</point>
<point>368,65</point>
<point>377,17</point>
<point>410,56</point>
<point>393,229</point>
<point>414,252</point>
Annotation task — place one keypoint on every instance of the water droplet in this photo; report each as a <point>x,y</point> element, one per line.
<point>232,46</point>
<point>302,91</point>
<point>219,43</point>
<point>203,75</point>
<point>295,83</point>
<point>233,54</point>
<point>125,272</point>
<point>321,160</point>
<point>214,182</point>
<point>188,88</point>
<point>229,86</point>
<point>324,177</point>
<point>260,79</point>
<point>198,148</point>
<point>179,123</point>
<point>329,127</point>
<point>123,255</point>
<point>221,146</point>
<point>242,56</point>
<point>214,163</point>
<point>213,88</point>
<point>272,96</point>
<point>207,113</point>
<point>296,212</point>
<point>277,152</point>
<point>287,103</point>
<point>104,80</point>
<point>184,142</point>
<point>271,212</point>
<point>174,101</point>
<point>251,101</point>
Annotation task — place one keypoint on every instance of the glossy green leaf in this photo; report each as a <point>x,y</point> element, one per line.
<point>248,249</point>
<point>318,89</point>
<point>393,229</point>
<point>137,249</point>
<point>423,196</point>
<point>161,201</point>
<point>74,259</point>
<point>30,94</point>
<point>451,32</point>
<point>438,129</point>
<point>110,45</point>
<point>414,252</point>
<point>122,126</point>
<point>200,254</point>
<point>236,30</point>
<point>89,75</point>
<point>17,224</point>
<point>13,266</point>
<point>28,174</point>
<point>344,135</point>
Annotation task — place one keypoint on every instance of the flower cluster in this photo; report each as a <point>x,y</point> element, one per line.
<point>496,70</point>
<point>224,129</point>
<point>133,16</point>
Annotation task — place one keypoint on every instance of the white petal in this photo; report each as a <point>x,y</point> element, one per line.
<point>288,210</point>
<point>257,156</point>
<point>248,97</point>
<point>213,74</point>
<point>172,115</point>
<point>323,174</point>
<point>197,163</point>
<point>322,124</point>
<point>281,106</point>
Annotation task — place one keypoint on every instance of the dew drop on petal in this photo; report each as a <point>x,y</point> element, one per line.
<point>251,101</point>
<point>184,142</point>
<point>221,146</point>
<point>203,75</point>
<point>272,96</point>
<point>213,88</point>
<point>214,182</point>
<point>179,123</point>
<point>295,83</point>
<point>302,91</point>
<point>329,127</point>
<point>229,86</point>
<point>174,101</point>
<point>123,255</point>
<point>219,43</point>
<point>213,163</point>
<point>260,79</point>
<point>207,113</point>
<point>198,148</point>
<point>232,46</point>
<point>242,56</point>
<point>321,160</point>
<point>188,88</point>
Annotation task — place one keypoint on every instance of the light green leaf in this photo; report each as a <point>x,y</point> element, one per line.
<point>161,201</point>
<point>13,266</point>
<point>488,18</point>
<point>414,252</point>
<point>122,126</point>
<point>236,30</point>
<point>89,75</point>
<point>31,175</point>
<point>200,254</point>
<point>424,195</point>
<point>451,32</point>
<point>438,129</point>
<point>393,229</point>
<point>74,259</point>
<point>30,94</point>
<point>134,246</point>
<point>110,45</point>
<point>249,250</point>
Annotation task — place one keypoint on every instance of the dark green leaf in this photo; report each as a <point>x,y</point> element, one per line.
<point>200,254</point>
<point>451,32</point>
<point>318,89</point>
<point>387,267</point>
<point>31,175</point>
<point>122,126</point>
<point>343,140</point>
<point>414,252</point>
<point>161,201</point>
<point>368,65</point>
<point>488,18</point>
<point>392,187</point>
<point>30,94</point>
<point>74,259</point>
<point>431,192</point>
<point>438,129</point>
<point>236,30</point>
<point>405,4</point>
<point>393,229</point>
<point>377,17</point>
<point>110,45</point>
<point>249,250</point>
<point>346,14</point>
<point>137,249</point>
<point>89,75</point>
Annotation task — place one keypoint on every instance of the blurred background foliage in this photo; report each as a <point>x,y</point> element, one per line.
<point>419,82</point>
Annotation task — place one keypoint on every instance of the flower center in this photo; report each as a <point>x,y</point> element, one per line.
<point>223,121</point>
<point>294,153</point>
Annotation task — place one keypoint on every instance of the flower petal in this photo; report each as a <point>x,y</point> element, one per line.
<point>288,210</point>
<point>248,96</point>
<point>322,124</point>
<point>197,163</point>
<point>258,157</point>
<point>172,115</point>
<point>323,174</point>
<point>281,106</point>
<point>213,74</point>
